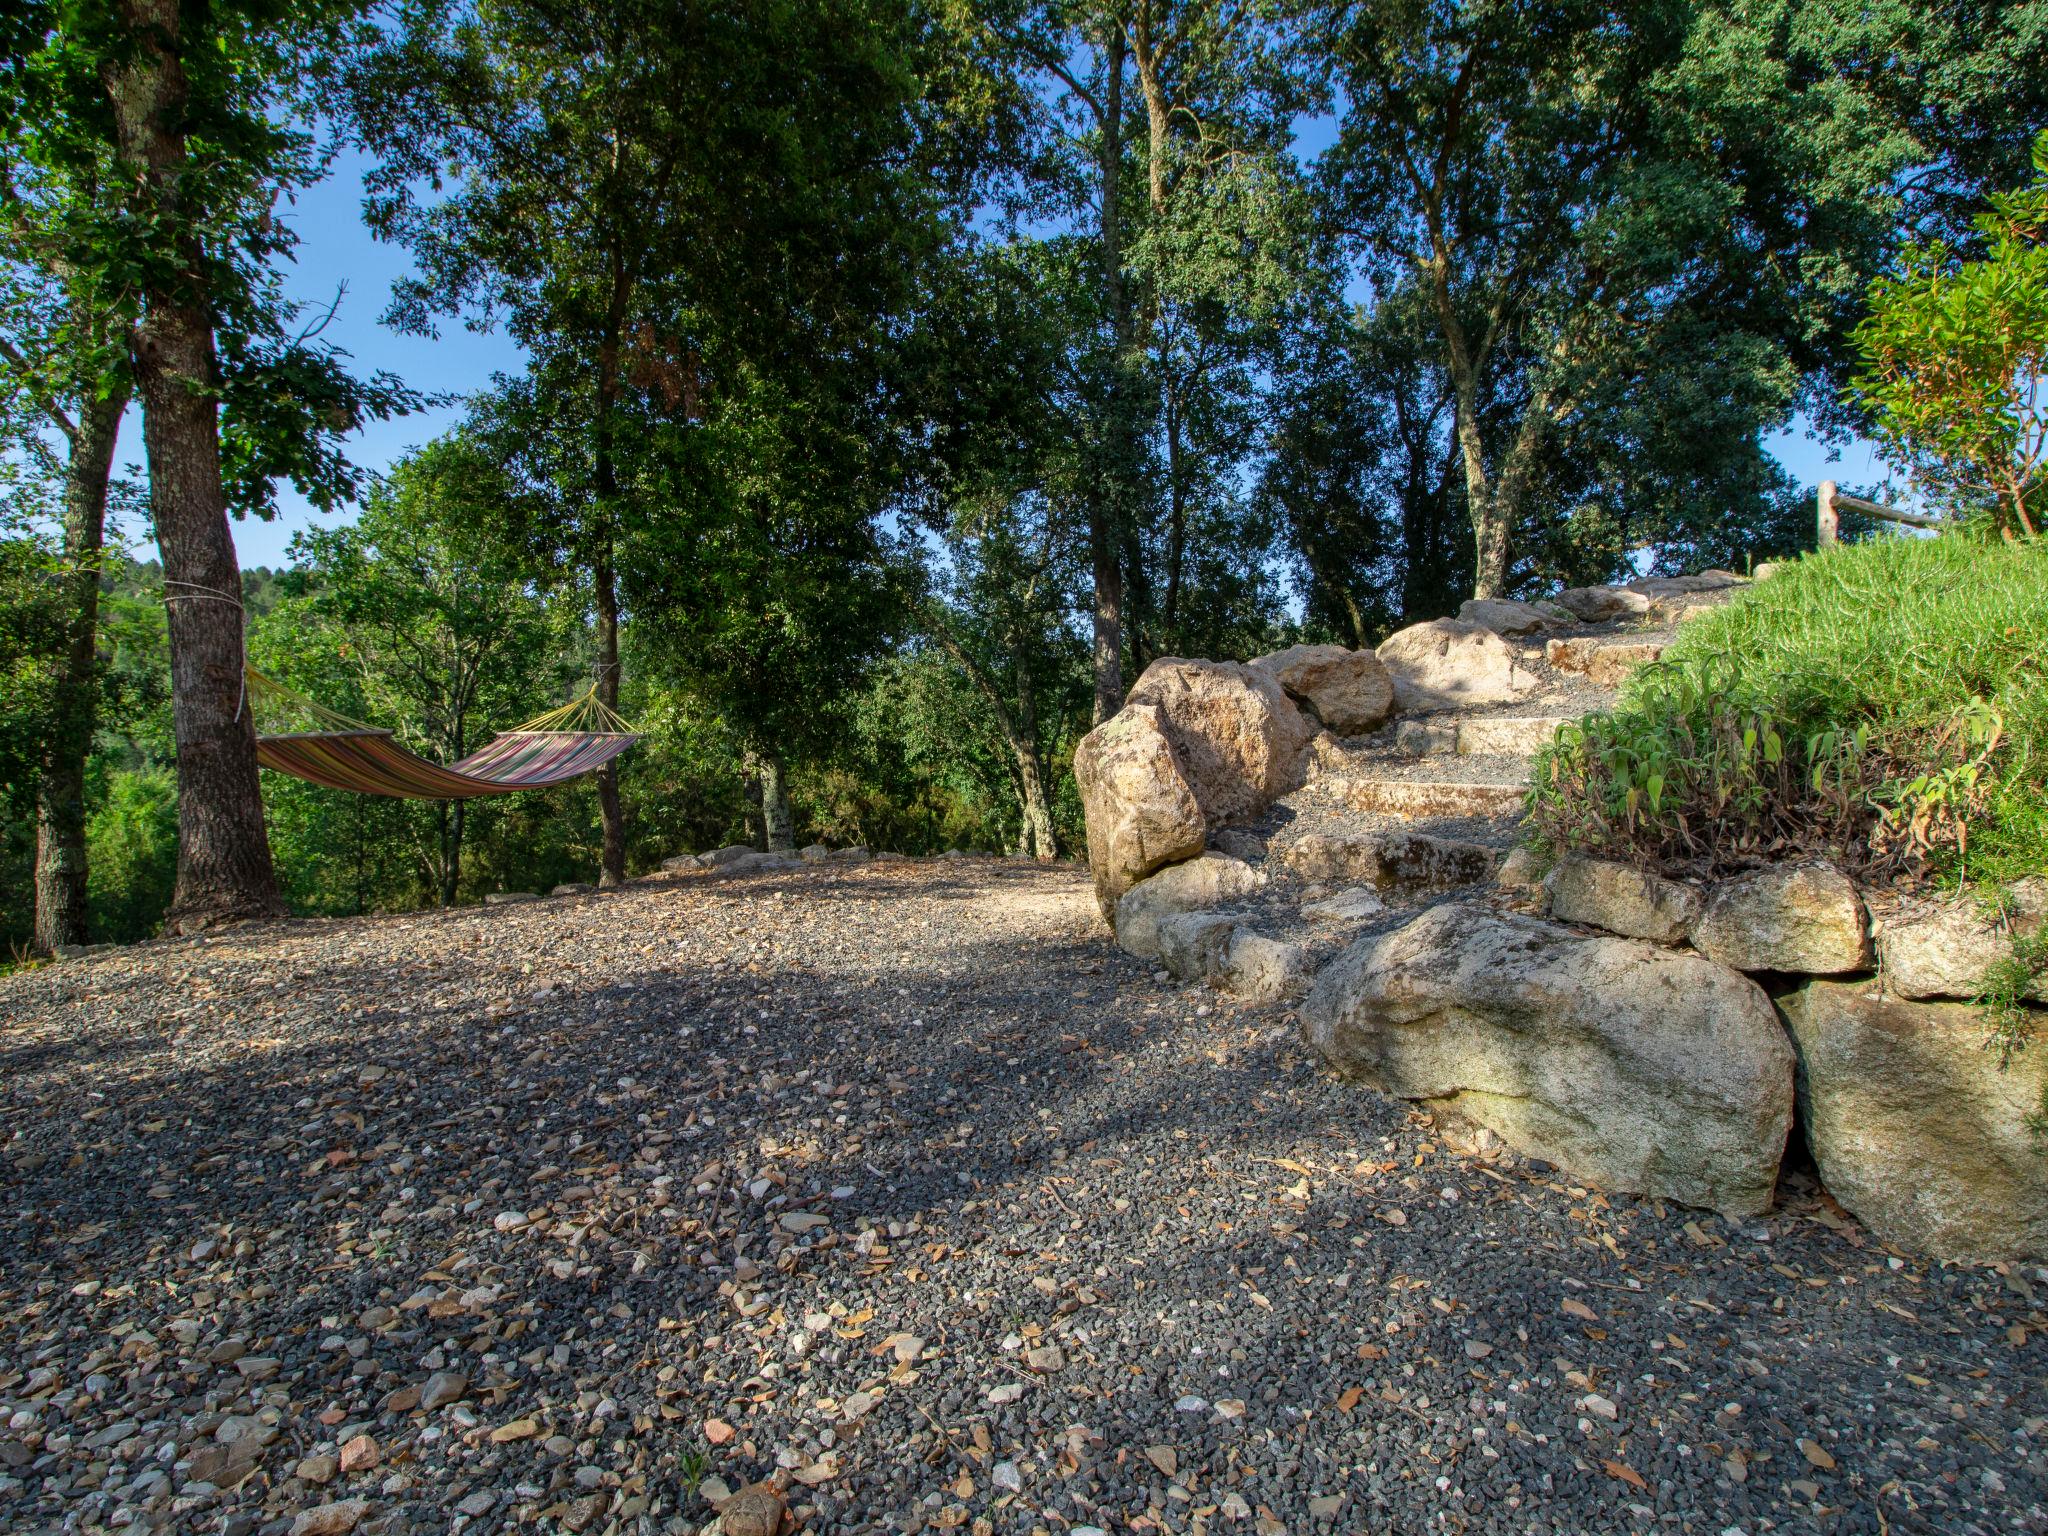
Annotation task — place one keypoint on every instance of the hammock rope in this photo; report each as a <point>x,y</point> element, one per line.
<point>552,748</point>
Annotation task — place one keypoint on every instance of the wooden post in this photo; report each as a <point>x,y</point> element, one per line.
<point>1830,520</point>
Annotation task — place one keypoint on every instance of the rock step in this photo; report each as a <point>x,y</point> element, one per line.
<point>1600,661</point>
<point>1431,797</point>
<point>1480,736</point>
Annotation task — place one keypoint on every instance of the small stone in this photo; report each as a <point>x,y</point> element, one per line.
<point>482,1502</point>
<point>443,1388</point>
<point>1600,1407</point>
<point>319,1470</point>
<point>334,1519</point>
<point>756,1510</point>
<point>360,1454</point>
<point>1164,1457</point>
<point>1044,1359</point>
<point>518,1429</point>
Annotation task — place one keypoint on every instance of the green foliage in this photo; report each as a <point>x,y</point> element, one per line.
<point>1885,703</point>
<point>133,841</point>
<point>1640,235</point>
<point>1954,360</point>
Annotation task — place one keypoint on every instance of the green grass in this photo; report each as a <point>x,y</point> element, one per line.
<point>1885,704</point>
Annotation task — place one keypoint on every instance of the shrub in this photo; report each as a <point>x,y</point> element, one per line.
<point>1882,703</point>
<point>1954,360</point>
<point>132,851</point>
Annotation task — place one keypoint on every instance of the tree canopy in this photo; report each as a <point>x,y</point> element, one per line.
<point>897,379</point>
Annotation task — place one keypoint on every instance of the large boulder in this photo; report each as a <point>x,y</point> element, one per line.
<point>1602,605</point>
<point>755,863</point>
<point>1221,950</point>
<point>1505,616</point>
<point>1212,880</point>
<point>1240,741</point>
<point>1604,663</point>
<point>1349,691</point>
<point>1141,810</point>
<point>1805,918</point>
<point>1916,1127</point>
<point>1604,893</point>
<point>1449,664</point>
<point>1949,948</point>
<point>1417,861</point>
<point>1639,1068</point>
<point>718,858</point>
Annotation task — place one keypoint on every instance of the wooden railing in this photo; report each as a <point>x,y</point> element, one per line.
<point>1833,503</point>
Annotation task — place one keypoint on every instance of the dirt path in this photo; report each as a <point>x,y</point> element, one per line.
<point>902,1179</point>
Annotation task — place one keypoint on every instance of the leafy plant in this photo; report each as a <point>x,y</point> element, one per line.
<point>1953,356</point>
<point>1881,704</point>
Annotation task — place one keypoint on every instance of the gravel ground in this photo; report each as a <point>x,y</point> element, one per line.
<point>901,1183</point>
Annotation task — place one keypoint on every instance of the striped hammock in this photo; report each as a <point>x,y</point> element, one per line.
<point>553,748</point>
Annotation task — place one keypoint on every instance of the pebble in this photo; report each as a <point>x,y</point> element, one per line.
<point>1088,1252</point>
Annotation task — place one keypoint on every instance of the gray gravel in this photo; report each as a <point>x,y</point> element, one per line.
<point>901,1182</point>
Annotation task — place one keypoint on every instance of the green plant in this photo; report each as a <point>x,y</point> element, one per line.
<point>1953,357</point>
<point>2010,1022</point>
<point>1882,704</point>
<point>2003,998</point>
<point>692,1464</point>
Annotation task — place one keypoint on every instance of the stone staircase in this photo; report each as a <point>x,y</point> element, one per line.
<point>1426,808</point>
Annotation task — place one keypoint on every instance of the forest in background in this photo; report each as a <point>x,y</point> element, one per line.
<point>903,378</point>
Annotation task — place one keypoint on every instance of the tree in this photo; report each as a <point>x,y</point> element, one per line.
<point>1955,360</point>
<point>183,108</point>
<point>430,617</point>
<point>776,585</point>
<point>1605,205</point>
<point>64,354</point>
<point>658,201</point>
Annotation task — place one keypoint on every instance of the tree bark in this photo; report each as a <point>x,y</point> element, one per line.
<point>613,871</point>
<point>1149,53</point>
<point>1019,731</point>
<point>777,823</point>
<point>1105,506</point>
<point>1038,840</point>
<point>60,793</point>
<point>224,866</point>
<point>605,475</point>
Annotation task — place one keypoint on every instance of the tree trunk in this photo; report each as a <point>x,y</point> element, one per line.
<point>1176,531</point>
<point>1038,840</point>
<point>60,792</point>
<point>605,475</point>
<point>1489,530</point>
<point>1105,505</point>
<point>778,825</point>
<point>613,871</point>
<point>224,866</point>
<point>1109,604</point>
<point>1149,54</point>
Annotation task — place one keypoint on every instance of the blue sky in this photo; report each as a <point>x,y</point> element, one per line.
<point>337,254</point>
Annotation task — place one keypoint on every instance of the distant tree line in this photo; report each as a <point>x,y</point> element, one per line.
<point>901,379</point>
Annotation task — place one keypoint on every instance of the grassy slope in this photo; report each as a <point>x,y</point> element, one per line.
<point>1897,636</point>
